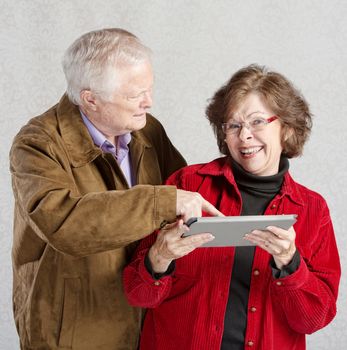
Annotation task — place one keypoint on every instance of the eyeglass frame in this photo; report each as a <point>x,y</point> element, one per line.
<point>247,125</point>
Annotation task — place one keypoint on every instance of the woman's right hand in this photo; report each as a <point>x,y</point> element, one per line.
<point>170,245</point>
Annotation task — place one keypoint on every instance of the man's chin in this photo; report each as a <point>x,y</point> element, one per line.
<point>139,122</point>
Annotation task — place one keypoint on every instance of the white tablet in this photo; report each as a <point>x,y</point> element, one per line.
<point>230,230</point>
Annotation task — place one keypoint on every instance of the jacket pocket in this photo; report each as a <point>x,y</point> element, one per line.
<point>70,300</point>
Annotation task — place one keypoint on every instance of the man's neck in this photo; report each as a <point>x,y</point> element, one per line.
<point>110,138</point>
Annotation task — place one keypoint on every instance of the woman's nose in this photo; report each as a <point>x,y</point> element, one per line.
<point>245,133</point>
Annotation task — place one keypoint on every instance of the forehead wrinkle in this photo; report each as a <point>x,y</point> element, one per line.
<point>245,117</point>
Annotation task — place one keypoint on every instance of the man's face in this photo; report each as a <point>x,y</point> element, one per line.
<point>126,109</point>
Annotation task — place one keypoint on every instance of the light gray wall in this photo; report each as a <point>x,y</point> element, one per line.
<point>197,45</point>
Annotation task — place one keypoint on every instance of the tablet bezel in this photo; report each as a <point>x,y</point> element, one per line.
<point>230,230</point>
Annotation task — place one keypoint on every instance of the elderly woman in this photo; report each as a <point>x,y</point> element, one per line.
<point>268,296</point>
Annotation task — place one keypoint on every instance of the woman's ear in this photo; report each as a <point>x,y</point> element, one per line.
<point>287,133</point>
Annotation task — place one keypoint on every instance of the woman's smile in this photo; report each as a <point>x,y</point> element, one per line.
<point>249,152</point>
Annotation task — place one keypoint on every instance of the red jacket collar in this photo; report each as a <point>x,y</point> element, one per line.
<point>221,167</point>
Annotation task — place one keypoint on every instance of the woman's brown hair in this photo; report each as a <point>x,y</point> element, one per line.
<point>277,92</point>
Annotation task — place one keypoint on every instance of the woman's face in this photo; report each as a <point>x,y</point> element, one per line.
<point>257,151</point>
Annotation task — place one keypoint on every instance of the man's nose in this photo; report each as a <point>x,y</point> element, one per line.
<point>147,100</point>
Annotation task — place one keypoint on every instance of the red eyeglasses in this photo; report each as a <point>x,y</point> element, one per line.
<point>253,124</point>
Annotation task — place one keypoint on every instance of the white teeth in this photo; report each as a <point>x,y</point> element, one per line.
<point>250,150</point>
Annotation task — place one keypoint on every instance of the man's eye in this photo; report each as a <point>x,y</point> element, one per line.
<point>135,97</point>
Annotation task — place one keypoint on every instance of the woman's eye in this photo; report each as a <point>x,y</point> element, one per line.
<point>258,121</point>
<point>234,126</point>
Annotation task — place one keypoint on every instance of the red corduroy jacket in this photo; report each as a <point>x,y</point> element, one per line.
<point>186,309</point>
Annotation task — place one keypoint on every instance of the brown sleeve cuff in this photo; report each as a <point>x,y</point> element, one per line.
<point>165,204</point>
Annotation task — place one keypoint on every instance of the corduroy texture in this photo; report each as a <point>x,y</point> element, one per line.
<point>186,309</point>
<point>75,220</point>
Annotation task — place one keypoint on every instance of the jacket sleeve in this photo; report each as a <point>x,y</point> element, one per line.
<point>308,297</point>
<point>49,204</point>
<point>140,288</point>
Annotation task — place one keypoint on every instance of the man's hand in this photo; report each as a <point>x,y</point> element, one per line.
<point>191,204</point>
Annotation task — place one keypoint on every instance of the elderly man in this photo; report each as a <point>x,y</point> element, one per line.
<point>86,180</point>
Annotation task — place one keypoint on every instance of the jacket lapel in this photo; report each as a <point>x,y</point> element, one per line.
<point>144,160</point>
<point>79,144</point>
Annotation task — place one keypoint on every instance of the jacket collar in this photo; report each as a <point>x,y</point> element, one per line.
<point>79,144</point>
<point>221,167</point>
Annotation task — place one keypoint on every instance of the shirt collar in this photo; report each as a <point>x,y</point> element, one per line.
<point>272,183</point>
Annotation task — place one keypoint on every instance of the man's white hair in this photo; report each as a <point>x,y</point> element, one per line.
<point>90,62</point>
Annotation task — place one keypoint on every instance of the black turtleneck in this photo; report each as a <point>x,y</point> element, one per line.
<point>256,192</point>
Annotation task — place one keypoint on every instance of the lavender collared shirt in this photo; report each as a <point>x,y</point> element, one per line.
<point>120,153</point>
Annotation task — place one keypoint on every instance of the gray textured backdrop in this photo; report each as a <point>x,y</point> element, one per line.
<point>196,45</point>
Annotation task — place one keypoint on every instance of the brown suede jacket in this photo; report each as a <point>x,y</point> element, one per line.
<point>76,223</point>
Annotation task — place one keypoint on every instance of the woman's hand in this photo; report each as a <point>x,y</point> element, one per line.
<point>276,241</point>
<point>170,245</point>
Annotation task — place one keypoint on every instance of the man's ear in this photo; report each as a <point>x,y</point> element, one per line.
<point>88,100</point>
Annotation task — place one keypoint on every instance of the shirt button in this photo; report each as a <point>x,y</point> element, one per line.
<point>256,272</point>
<point>250,343</point>
<point>279,283</point>
<point>157,283</point>
<point>273,206</point>
<point>253,309</point>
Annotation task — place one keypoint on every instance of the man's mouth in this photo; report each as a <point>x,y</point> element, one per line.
<point>140,115</point>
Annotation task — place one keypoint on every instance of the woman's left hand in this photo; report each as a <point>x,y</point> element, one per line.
<point>276,241</point>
